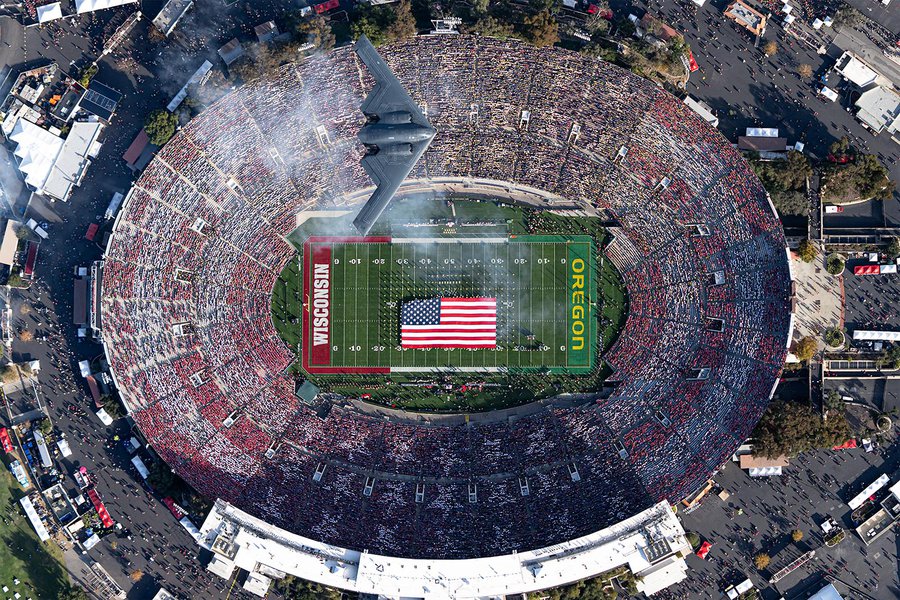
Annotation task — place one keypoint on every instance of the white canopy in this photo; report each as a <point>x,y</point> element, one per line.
<point>35,519</point>
<point>829,93</point>
<point>764,471</point>
<point>36,150</point>
<point>864,495</point>
<point>49,12</point>
<point>83,6</point>
<point>876,336</point>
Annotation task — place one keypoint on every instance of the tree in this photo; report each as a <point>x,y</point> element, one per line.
<point>847,16</point>
<point>862,179</point>
<point>806,348</point>
<point>693,539</point>
<point>841,148</point>
<point>71,592</point>
<point>160,126</point>
<point>480,7</point>
<point>404,23</point>
<point>834,337</point>
<point>834,264</point>
<point>161,478</point>
<point>770,48</point>
<point>791,428</point>
<point>88,74</point>
<point>541,29</point>
<point>112,407</point>
<point>805,71</point>
<point>371,21</point>
<point>761,560</point>
<point>491,27</point>
<point>294,588</point>
<point>596,23</point>
<point>786,182</point>
<point>893,249</point>
<point>317,32</point>
<point>796,535</point>
<point>807,251</point>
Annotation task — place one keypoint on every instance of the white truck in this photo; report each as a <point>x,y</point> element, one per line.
<point>37,228</point>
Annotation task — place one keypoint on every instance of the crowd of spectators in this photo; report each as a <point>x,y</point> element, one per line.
<point>195,254</point>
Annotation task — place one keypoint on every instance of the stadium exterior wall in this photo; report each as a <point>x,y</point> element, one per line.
<point>238,539</point>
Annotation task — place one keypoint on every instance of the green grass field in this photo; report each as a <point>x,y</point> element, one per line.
<point>532,278</point>
<point>415,390</point>
<point>38,566</point>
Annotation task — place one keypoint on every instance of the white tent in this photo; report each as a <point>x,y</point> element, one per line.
<point>34,518</point>
<point>83,6</point>
<point>36,151</point>
<point>828,93</point>
<point>104,417</point>
<point>879,336</point>
<point>764,471</point>
<point>140,466</point>
<point>49,12</point>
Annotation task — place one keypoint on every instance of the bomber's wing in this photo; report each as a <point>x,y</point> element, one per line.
<point>388,94</point>
<point>388,172</point>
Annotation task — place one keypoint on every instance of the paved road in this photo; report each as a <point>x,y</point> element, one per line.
<point>815,486</point>
<point>887,16</point>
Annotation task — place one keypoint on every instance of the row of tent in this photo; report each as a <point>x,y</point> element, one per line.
<point>874,269</point>
<point>53,11</point>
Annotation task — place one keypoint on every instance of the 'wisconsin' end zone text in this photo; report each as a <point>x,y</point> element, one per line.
<point>320,303</point>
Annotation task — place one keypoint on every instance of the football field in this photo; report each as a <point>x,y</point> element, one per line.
<point>354,289</point>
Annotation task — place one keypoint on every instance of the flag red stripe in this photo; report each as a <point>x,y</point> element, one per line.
<point>463,323</point>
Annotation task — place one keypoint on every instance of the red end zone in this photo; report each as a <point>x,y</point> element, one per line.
<point>317,300</point>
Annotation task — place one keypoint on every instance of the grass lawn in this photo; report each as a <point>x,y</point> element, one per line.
<point>528,275</point>
<point>286,303</point>
<point>420,217</point>
<point>614,311</point>
<point>22,555</point>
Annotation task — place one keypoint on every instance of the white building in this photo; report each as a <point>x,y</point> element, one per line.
<point>855,70</point>
<point>651,544</point>
<point>879,109</point>
<point>53,166</point>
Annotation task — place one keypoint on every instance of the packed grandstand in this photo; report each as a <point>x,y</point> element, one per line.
<point>190,268</point>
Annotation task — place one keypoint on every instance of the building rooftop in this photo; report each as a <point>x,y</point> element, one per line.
<point>171,12</point>
<point>266,31</point>
<point>231,51</point>
<point>745,15</point>
<point>241,540</point>
<point>879,109</point>
<point>100,100</point>
<point>78,148</point>
<point>855,70</point>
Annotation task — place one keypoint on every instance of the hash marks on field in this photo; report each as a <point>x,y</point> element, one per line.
<point>370,281</point>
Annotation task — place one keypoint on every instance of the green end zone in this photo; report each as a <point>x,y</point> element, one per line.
<point>353,289</point>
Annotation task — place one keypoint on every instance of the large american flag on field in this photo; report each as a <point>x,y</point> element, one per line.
<point>449,323</point>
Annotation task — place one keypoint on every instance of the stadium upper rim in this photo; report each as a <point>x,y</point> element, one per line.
<point>200,240</point>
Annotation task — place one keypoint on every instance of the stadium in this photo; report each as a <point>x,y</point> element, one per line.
<point>380,500</point>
